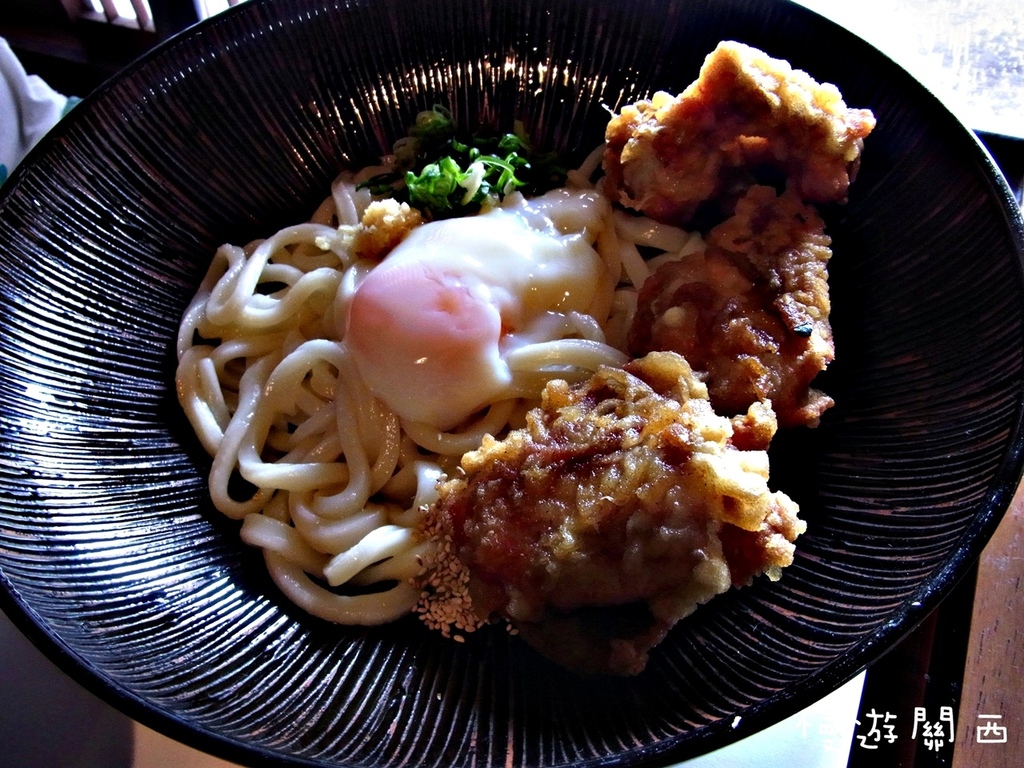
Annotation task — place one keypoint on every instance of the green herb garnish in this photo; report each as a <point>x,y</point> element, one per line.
<point>445,175</point>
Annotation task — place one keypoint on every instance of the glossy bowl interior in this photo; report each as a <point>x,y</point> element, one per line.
<point>113,560</point>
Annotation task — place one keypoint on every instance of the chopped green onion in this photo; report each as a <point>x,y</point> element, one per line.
<point>444,175</point>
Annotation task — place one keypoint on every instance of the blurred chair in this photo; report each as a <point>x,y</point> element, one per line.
<point>74,45</point>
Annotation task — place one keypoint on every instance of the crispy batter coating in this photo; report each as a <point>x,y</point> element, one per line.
<point>620,508</point>
<point>752,311</point>
<point>745,113</point>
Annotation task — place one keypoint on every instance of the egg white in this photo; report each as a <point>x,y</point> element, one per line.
<point>426,326</point>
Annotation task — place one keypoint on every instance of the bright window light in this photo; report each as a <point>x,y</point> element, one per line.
<point>208,8</point>
<point>129,13</point>
<point>137,13</point>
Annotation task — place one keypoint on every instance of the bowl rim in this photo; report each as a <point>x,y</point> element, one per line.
<point>766,712</point>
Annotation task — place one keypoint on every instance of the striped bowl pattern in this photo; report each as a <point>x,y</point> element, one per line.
<point>113,560</point>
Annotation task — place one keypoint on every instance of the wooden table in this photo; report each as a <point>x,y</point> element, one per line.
<point>995,656</point>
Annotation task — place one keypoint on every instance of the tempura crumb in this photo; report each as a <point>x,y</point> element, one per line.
<point>445,604</point>
<point>384,225</point>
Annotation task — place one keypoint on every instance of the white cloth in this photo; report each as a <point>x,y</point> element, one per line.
<point>28,109</point>
<point>820,736</point>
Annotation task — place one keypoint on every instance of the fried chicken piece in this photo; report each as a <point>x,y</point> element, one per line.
<point>620,508</point>
<point>745,113</point>
<point>752,311</point>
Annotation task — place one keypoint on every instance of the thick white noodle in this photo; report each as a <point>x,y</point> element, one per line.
<point>564,353</point>
<point>643,231</point>
<point>326,480</point>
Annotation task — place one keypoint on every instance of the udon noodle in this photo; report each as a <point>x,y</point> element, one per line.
<point>329,481</point>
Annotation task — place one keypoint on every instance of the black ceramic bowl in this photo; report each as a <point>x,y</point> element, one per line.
<point>113,560</point>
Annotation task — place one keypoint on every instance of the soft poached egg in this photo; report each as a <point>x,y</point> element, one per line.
<point>426,326</point>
